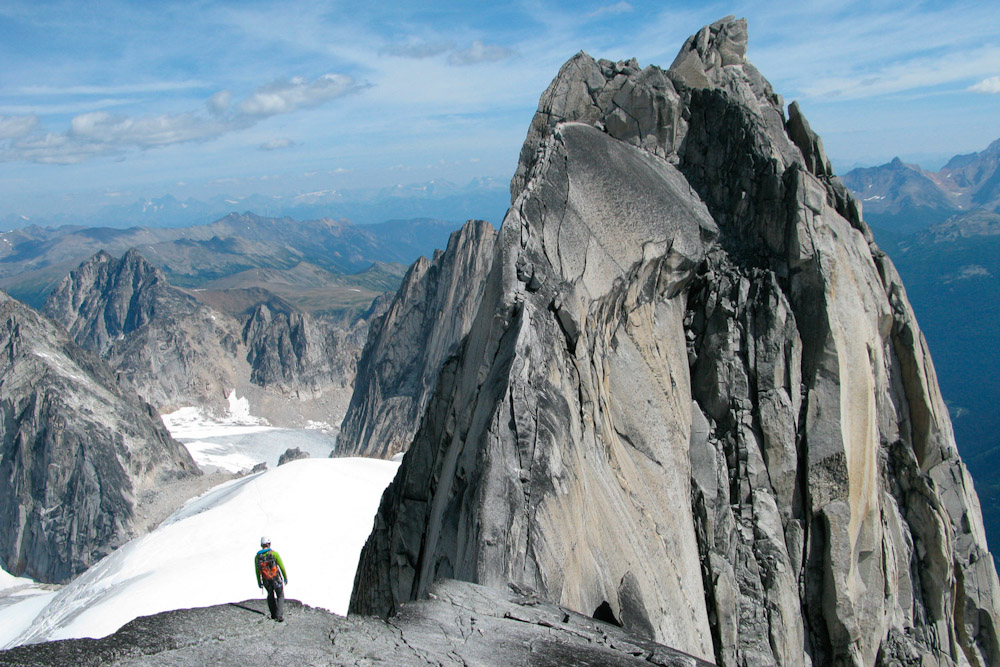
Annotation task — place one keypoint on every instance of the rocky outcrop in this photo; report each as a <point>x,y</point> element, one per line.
<point>292,454</point>
<point>427,320</point>
<point>291,351</point>
<point>695,395</point>
<point>175,351</point>
<point>461,624</point>
<point>78,453</point>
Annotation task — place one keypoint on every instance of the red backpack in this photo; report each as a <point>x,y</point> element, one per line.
<point>267,565</point>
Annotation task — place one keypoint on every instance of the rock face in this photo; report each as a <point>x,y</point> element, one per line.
<point>293,352</point>
<point>460,625</point>
<point>695,394</point>
<point>175,351</point>
<point>77,454</point>
<point>427,320</point>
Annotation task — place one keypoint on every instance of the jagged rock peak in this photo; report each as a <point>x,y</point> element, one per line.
<point>691,359</point>
<point>715,46</point>
<point>176,350</point>
<point>104,298</point>
<point>78,454</point>
<point>642,106</point>
<point>431,313</point>
<point>165,344</point>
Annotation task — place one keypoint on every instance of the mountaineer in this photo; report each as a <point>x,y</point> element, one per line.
<point>271,575</point>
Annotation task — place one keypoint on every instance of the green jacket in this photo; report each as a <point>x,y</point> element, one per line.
<point>277,559</point>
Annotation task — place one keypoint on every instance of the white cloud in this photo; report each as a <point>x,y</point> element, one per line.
<point>100,133</point>
<point>122,131</point>
<point>872,52</point>
<point>617,8</point>
<point>990,85</point>
<point>17,126</point>
<point>480,53</point>
<point>291,94</point>
<point>277,144</point>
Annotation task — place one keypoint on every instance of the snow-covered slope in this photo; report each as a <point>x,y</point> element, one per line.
<point>317,512</point>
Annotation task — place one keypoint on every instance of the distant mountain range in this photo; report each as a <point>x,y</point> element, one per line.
<point>903,198</point>
<point>322,265</point>
<point>942,231</point>
<point>482,198</point>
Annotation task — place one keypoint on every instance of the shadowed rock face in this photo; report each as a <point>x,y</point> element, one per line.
<point>427,320</point>
<point>77,452</point>
<point>694,394</point>
<point>460,625</point>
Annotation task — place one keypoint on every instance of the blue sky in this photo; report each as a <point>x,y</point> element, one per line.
<point>108,101</point>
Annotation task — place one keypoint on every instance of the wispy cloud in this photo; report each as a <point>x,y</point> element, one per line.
<point>124,89</point>
<point>297,93</point>
<point>990,85</point>
<point>61,108</point>
<point>277,144</point>
<point>868,52</point>
<point>617,8</point>
<point>416,49</point>
<point>218,104</point>
<point>912,74</point>
<point>12,127</point>
<point>477,52</point>
<point>480,53</point>
<point>101,133</point>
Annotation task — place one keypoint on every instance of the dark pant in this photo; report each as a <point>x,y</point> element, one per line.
<point>275,598</point>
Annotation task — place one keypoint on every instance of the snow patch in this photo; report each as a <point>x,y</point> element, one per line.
<point>239,409</point>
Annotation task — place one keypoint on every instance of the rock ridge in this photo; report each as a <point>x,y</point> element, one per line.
<point>459,624</point>
<point>431,313</point>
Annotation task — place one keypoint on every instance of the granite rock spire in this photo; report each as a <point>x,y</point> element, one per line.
<point>710,411</point>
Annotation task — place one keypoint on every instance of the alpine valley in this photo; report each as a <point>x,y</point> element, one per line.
<point>676,410</point>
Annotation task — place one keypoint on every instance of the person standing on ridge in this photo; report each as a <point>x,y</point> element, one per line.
<point>271,575</point>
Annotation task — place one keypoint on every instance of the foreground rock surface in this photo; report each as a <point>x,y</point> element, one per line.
<point>79,454</point>
<point>461,624</point>
<point>695,394</point>
<point>426,321</point>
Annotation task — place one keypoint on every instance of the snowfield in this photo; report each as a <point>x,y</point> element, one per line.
<point>242,441</point>
<point>318,513</point>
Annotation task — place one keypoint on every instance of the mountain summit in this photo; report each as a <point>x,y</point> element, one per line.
<point>694,398</point>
